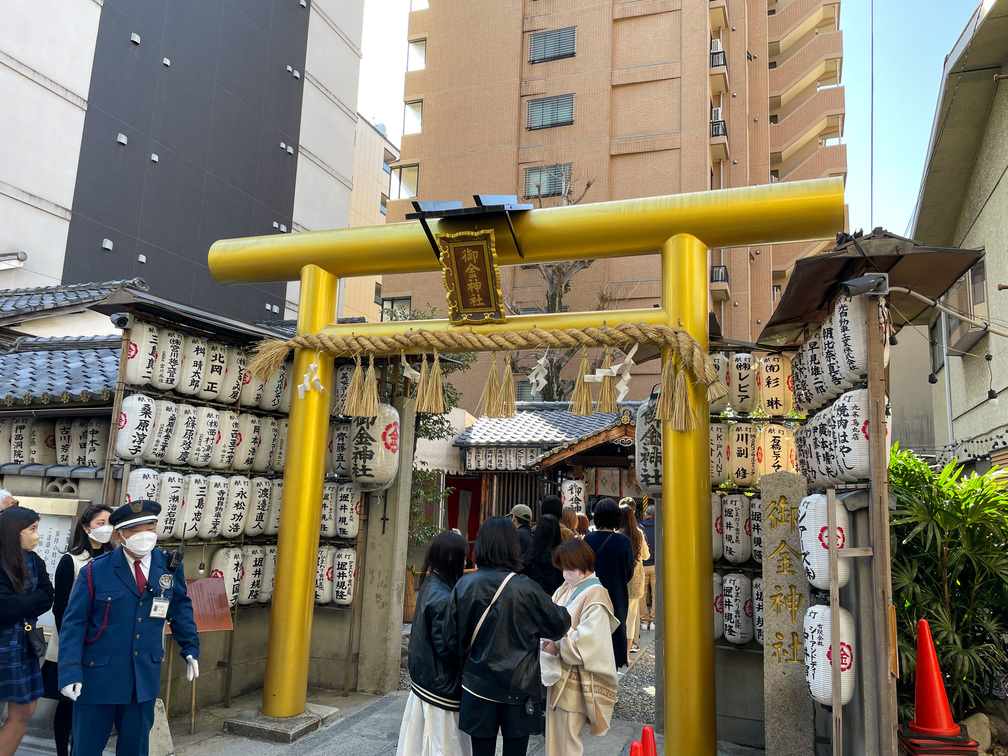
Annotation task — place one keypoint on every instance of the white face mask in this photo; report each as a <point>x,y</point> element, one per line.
<point>572,577</point>
<point>141,544</point>
<point>101,535</point>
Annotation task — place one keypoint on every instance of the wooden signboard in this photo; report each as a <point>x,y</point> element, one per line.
<point>471,277</point>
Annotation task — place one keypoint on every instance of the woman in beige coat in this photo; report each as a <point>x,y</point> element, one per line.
<point>579,669</point>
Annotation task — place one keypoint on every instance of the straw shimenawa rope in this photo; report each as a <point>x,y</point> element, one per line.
<point>607,388</point>
<point>581,398</point>
<point>267,355</point>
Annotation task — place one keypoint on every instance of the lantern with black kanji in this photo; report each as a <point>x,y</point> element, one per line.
<point>170,498</point>
<point>216,502</point>
<point>757,595</point>
<point>776,385</point>
<point>260,490</point>
<point>226,564</point>
<point>276,498</point>
<point>247,444</point>
<point>738,608</point>
<point>214,373</point>
<point>742,388</point>
<point>141,355</point>
<point>737,535</point>
<point>252,573</point>
<point>266,443</point>
<point>183,437</point>
<point>165,418</point>
<point>136,425</point>
<point>648,448</point>
<point>42,449</point>
<point>742,454</point>
<point>236,512</point>
<point>374,459</point>
<point>168,365</point>
<point>194,499</point>
<point>142,483</point>
<point>222,454</point>
<point>269,574</point>
<point>324,569</point>
<point>719,406</point>
<point>344,574</point>
<point>718,454</point>
<point>813,514</point>
<point>207,424</point>
<point>774,444</point>
<point>349,503</point>
<point>572,494</point>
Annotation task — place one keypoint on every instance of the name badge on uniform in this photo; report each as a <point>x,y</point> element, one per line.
<point>159,608</point>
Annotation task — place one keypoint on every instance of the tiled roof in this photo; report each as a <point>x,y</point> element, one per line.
<point>289,327</point>
<point>18,303</point>
<point>538,423</point>
<point>41,371</point>
<point>628,417</point>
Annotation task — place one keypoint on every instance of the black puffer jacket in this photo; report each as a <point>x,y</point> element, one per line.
<point>436,675</point>
<point>502,664</point>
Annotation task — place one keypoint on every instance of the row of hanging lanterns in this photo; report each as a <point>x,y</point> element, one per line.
<point>500,457</point>
<point>741,453</point>
<point>754,383</point>
<point>69,441</point>
<point>738,608</point>
<point>737,528</point>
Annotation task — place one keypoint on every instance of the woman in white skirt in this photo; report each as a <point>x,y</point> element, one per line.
<point>430,725</point>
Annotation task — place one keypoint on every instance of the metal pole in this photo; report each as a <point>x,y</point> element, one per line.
<point>948,382</point>
<point>687,614</point>
<point>285,687</point>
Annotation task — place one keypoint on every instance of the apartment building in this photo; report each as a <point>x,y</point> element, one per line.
<point>138,133</point>
<point>600,100</point>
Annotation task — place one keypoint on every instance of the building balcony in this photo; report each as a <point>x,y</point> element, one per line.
<point>819,116</point>
<point>817,63</point>
<point>792,23</point>
<point>719,290</point>
<point>825,162</point>
<point>718,72</point>
<point>719,140</point>
<point>718,11</point>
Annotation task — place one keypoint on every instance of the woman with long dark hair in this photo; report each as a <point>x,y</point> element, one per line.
<point>538,561</point>
<point>614,566</point>
<point>91,537</point>
<point>495,621</point>
<point>430,724</point>
<point>636,587</point>
<point>25,593</point>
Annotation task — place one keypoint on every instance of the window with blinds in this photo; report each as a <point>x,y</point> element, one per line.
<point>546,112</point>
<point>552,45</point>
<point>548,181</point>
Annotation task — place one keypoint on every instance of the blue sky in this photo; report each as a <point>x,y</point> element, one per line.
<point>912,38</point>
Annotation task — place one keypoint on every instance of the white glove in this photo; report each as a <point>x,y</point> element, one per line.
<point>192,669</point>
<point>72,691</point>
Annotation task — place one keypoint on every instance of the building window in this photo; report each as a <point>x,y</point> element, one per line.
<point>546,112</point>
<point>387,161</point>
<point>413,117</point>
<point>384,204</point>
<point>416,58</point>
<point>548,181</point>
<point>523,391</point>
<point>552,45</point>
<point>377,293</point>
<point>775,293</point>
<point>404,181</point>
<point>397,308</point>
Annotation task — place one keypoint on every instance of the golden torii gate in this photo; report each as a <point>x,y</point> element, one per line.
<point>682,227</point>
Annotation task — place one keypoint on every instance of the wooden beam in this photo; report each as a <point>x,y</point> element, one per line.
<point>623,430</point>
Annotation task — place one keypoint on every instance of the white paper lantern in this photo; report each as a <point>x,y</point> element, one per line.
<point>226,442</point>
<point>648,448</point>
<point>64,440</point>
<point>324,570</point>
<point>252,574</point>
<point>6,429</point>
<point>276,498</point>
<point>97,442</point>
<point>850,323</point>
<point>170,488</point>
<point>226,564</point>
<point>813,523</point>
<point>194,361</point>
<point>259,506</point>
<point>470,458</point>
<point>718,608</point>
<point>491,459</point>
<point>344,575</point>
<point>831,355</point>
<point>774,444</point>
<point>721,365</point>
<point>501,454</point>
<point>328,524</point>
<point>77,454</point>
<point>776,385</point>
<point>136,425</point>
<point>756,527</point>
<point>42,447</point>
<point>572,494</point>
<point>142,484</point>
<point>207,424</point>
<point>737,538</point>
<point>251,390</point>
<point>216,504</point>
<point>818,388</point>
<point>269,573</point>
<point>757,595</point>
<point>288,385</point>
<point>743,391</point>
<point>742,454</point>
<point>819,655</point>
<point>273,390</point>
<point>339,449</point>
<point>374,460</point>
<point>853,446</point>
<point>341,382</point>
<point>168,366</point>
<point>194,501</point>
<point>280,452</point>
<point>183,437</point>
<point>236,512</point>
<point>511,458</point>
<point>266,446</point>
<point>718,454</point>
<point>247,445</point>
<point>141,354</point>
<point>717,527</point>
<point>799,378</point>
<point>349,503</point>
<point>21,440</point>
<point>480,457</point>
<point>165,418</point>
<point>738,608</point>
<point>214,372</point>
<point>234,371</point>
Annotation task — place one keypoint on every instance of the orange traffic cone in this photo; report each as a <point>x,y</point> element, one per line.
<point>932,715</point>
<point>648,742</point>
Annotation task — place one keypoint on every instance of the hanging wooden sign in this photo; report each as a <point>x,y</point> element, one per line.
<point>471,277</point>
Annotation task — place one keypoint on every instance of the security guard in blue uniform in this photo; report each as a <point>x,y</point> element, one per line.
<point>112,638</point>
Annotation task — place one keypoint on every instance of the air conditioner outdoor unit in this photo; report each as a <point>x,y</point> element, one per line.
<point>715,114</point>
<point>715,46</point>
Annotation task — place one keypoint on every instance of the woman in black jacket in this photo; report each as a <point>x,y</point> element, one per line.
<point>430,725</point>
<point>614,566</point>
<point>538,560</point>
<point>25,593</point>
<point>495,621</point>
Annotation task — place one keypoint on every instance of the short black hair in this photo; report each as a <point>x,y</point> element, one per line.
<point>551,505</point>
<point>497,545</point>
<point>445,558</point>
<point>607,514</point>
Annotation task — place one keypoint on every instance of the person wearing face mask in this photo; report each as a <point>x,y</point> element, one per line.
<point>585,690</point>
<point>25,593</point>
<point>91,538</point>
<point>111,648</point>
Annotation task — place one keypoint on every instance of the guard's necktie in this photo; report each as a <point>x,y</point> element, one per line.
<point>141,580</point>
